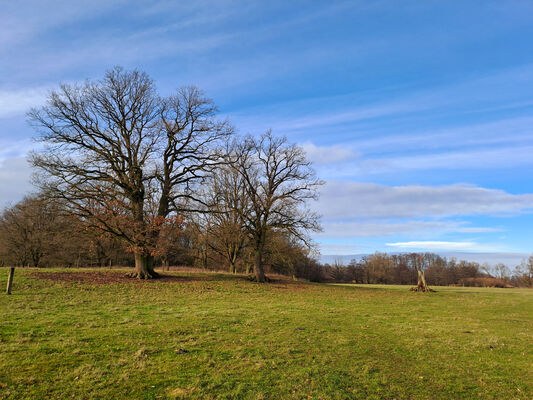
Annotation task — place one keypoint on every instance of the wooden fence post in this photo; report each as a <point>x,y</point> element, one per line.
<point>10,280</point>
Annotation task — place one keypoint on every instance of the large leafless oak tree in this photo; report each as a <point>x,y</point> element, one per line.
<point>278,181</point>
<point>125,158</point>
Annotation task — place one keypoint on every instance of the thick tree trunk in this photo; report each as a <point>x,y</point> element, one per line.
<point>144,267</point>
<point>259,271</point>
<point>232,267</point>
<point>421,286</point>
<point>231,255</point>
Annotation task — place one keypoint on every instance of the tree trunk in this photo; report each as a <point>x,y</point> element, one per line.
<point>144,266</point>
<point>259,271</point>
<point>232,259</point>
<point>421,286</point>
<point>422,281</point>
<point>233,264</point>
<point>232,268</point>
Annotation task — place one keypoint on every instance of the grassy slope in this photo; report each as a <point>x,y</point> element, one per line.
<point>229,338</point>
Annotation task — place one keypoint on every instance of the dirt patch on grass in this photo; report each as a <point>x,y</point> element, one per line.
<point>106,278</point>
<point>121,277</point>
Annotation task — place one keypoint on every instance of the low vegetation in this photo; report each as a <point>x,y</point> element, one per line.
<point>95,334</point>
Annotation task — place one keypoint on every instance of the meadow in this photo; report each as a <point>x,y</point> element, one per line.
<point>92,334</point>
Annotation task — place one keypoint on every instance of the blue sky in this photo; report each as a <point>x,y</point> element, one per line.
<point>419,115</point>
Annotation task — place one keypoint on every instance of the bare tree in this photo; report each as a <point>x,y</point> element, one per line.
<point>278,181</point>
<point>501,271</point>
<point>124,158</point>
<point>28,230</point>
<point>527,270</point>
<point>227,203</point>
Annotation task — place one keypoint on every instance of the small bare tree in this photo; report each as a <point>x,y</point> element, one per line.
<point>29,230</point>
<point>227,203</point>
<point>278,182</point>
<point>124,158</point>
<point>526,267</point>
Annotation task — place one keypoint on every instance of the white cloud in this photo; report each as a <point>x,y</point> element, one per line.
<point>377,228</point>
<point>497,157</point>
<point>14,180</point>
<point>328,154</point>
<point>475,229</point>
<point>15,149</point>
<point>459,246</point>
<point>19,101</point>
<point>349,200</point>
<point>342,249</point>
<point>434,245</point>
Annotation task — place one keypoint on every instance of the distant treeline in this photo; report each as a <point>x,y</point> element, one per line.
<point>401,269</point>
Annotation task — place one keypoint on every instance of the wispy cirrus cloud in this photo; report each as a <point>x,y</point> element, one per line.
<point>328,154</point>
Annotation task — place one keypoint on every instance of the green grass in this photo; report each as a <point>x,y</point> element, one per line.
<point>227,338</point>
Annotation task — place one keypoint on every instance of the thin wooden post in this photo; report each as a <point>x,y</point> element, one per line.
<point>10,280</point>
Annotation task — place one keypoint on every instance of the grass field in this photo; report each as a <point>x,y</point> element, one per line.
<point>203,336</point>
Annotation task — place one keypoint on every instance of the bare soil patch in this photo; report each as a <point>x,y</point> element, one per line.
<point>116,277</point>
<point>106,278</point>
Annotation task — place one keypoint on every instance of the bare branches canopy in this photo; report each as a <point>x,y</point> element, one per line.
<point>278,181</point>
<point>131,163</point>
<point>125,157</point>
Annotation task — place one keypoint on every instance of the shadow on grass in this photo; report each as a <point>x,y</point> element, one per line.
<point>113,277</point>
<point>104,277</point>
